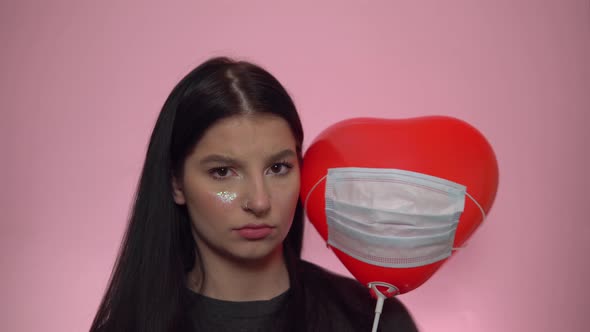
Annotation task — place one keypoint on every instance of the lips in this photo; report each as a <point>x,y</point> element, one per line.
<point>254,231</point>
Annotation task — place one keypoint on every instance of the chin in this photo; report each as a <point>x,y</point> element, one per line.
<point>256,252</point>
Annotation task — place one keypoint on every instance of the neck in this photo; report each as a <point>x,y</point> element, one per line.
<point>238,280</point>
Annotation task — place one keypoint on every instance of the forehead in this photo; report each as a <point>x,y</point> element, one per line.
<point>246,135</point>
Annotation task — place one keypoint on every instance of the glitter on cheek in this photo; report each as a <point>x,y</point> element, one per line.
<point>226,196</point>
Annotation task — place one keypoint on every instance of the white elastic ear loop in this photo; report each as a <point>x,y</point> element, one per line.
<point>483,213</point>
<point>391,289</point>
<point>311,191</point>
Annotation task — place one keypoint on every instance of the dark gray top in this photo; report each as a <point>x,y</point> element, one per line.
<point>219,315</point>
<point>341,304</point>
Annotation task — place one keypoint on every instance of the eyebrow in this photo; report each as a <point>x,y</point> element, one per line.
<point>221,159</point>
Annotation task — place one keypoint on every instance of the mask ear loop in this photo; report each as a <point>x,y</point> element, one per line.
<point>309,194</point>
<point>483,213</point>
<point>311,191</point>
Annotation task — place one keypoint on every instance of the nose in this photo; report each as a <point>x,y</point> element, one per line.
<point>258,198</point>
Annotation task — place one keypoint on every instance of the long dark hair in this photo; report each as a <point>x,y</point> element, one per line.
<point>147,290</point>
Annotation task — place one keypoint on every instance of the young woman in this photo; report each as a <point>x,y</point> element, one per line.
<point>214,239</point>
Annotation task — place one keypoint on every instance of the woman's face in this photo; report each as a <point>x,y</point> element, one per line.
<point>240,185</point>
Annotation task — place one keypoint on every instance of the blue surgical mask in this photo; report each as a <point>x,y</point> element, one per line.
<point>392,217</point>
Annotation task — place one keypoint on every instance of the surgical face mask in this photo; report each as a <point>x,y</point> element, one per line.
<point>392,217</point>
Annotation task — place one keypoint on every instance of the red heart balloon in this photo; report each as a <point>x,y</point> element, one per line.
<point>440,146</point>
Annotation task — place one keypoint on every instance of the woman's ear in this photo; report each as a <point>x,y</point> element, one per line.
<point>178,192</point>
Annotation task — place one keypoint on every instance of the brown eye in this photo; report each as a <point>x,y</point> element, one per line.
<point>220,173</point>
<point>279,169</point>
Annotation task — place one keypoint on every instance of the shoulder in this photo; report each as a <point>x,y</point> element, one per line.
<point>353,299</point>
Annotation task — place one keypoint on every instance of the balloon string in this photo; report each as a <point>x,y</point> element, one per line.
<point>377,316</point>
<point>483,213</point>
<point>311,191</point>
<point>391,291</point>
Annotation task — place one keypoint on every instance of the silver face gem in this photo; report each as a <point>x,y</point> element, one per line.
<point>226,196</point>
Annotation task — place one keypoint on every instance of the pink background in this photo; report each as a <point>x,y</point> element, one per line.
<point>81,83</point>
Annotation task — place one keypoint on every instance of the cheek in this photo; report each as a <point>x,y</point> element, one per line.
<point>220,201</point>
<point>225,198</point>
<point>211,206</point>
<point>292,196</point>
<point>287,197</point>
